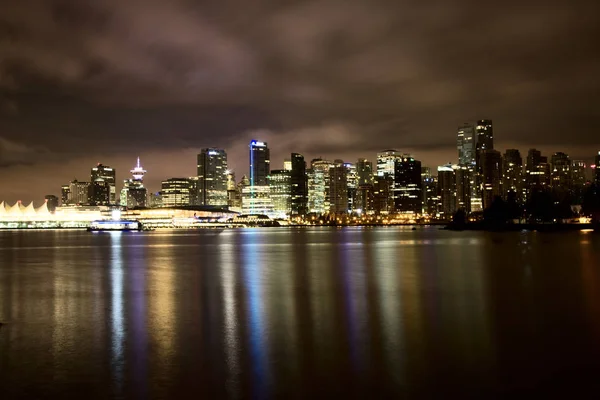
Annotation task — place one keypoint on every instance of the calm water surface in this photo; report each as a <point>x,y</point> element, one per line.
<point>298,313</point>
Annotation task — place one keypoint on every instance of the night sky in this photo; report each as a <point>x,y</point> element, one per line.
<point>89,81</point>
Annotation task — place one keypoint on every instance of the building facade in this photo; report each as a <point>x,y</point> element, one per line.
<point>103,185</point>
<point>260,162</point>
<point>408,193</point>
<point>175,192</point>
<point>280,192</point>
<point>212,177</point>
<point>299,185</point>
<point>491,164</point>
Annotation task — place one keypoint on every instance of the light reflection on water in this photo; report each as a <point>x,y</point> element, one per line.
<point>259,313</point>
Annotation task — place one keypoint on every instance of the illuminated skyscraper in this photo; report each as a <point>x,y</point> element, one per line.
<point>212,177</point>
<point>364,170</point>
<point>580,180</point>
<point>561,177</point>
<point>338,188</point>
<point>386,161</point>
<point>597,169</point>
<point>280,192</point>
<point>408,193</point>
<point>430,192</point>
<point>537,172</point>
<point>512,176</point>
<point>299,185</point>
<point>485,135</point>
<point>352,183</point>
<point>447,190</point>
<point>103,185</point>
<point>79,193</point>
<point>134,194</point>
<point>175,192</point>
<point>491,164</point>
<point>462,177</point>
<point>465,144</point>
<point>318,186</point>
<point>259,163</point>
<point>65,194</point>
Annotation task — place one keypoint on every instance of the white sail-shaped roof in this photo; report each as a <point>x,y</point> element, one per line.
<point>43,210</point>
<point>21,206</point>
<point>2,210</point>
<point>15,210</point>
<point>29,211</point>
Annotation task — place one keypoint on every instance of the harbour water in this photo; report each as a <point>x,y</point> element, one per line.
<point>298,313</point>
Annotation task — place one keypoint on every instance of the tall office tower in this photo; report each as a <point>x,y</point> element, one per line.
<point>465,144</point>
<point>485,135</point>
<point>65,194</point>
<point>79,193</point>
<point>103,185</point>
<point>561,177</point>
<point>383,198</point>
<point>408,194</point>
<point>462,177</point>
<point>175,192</point>
<point>195,199</point>
<point>579,178</point>
<point>280,192</point>
<point>230,188</point>
<point>52,202</point>
<point>430,190</point>
<point>512,175</point>
<point>386,161</point>
<point>338,188</point>
<point>447,191</point>
<point>364,170</point>
<point>597,169</point>
<point>491,164</point>
<point>299,184</point>
<point>352,181</point>
<point>287,165</point>
<point>318,186</point>
<point>134,194</point>
<point>212,177</point>
<point>537,172</point>
<point>259,163</point>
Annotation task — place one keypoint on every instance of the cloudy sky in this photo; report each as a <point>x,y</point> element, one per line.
<point>87,81</point>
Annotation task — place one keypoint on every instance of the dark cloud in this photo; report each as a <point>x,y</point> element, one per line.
<point>109,79</point>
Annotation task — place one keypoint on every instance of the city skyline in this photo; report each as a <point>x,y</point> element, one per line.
<point>317,78</point>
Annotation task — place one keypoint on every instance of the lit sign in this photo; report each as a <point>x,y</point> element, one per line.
<point>213,153</point>
<point>258,144</point>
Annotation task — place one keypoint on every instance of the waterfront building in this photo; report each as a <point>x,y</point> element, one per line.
<point>561,178</point>
<point>280,192</point>
<point>338,188</point>
<point>408,194</point>
<point>462,177</point>
<point>537,172</point>
<point>51,202</point>
<point>318,186</point>
<point>597,169</point>
<point>431,198</point>
<point>79,193</point>
<point>465,144</point>
<point>352,184</point>
<point>491,164</point>
<point>260,160</point>
<point>103,185</point>
<point>299,185</point>
<point>512,175</point>
<point>485,141</point>
<point>447,191</point>
<point>383,198</point>
<point>175,192</point>
<point>212,177</point>
<point>386,161</point>
<point>65,194</point>
<point>134,194</point>
<point>256,200</point>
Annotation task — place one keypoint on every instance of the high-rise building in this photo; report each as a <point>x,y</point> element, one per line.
<point>462,178</point>
<point>260,160</point>
<point>386,161</point>
<point>352,183</point>
<point>580,181</point>
<point>175,192</point>
<point>364,170</point>
<point>280,192</point>
<point>299,185</point>
<point>338,188</point>
<point>134,194</point>
<point>465,144</point>
<point>512,175</point>
<point>537,172</point>
<point>430,192</point>
<point>383,198</point>
<point>65,194</point>
<point>103,185</point>
<point>318,186</point>
<point>212,177</point>
<point>491,164</point>
<point>79,193</point>
<point>561,177</point>
<point>52,202</point>
<point>485,135</point>
<point>447,191</point>
<point>597,169</point>
<point>287,165</point>
<point>408,194</point>
<point>256,200</point>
